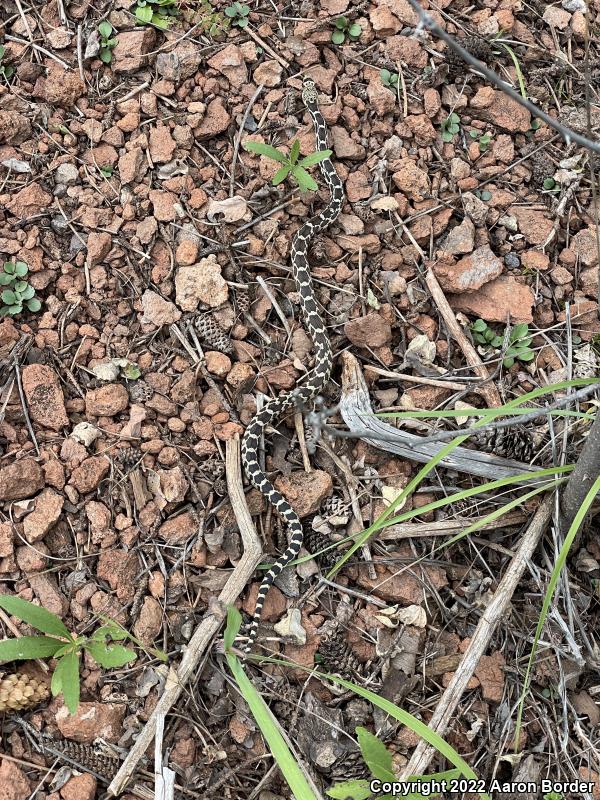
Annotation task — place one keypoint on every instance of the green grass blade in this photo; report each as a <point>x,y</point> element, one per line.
<point>265,719</point>
<point>560,562</point>
<point>34,615</point>
<point>515,61</point>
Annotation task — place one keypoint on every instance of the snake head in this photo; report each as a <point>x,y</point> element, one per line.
<point>309,92</point>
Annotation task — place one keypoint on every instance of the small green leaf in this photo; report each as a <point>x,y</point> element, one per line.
<point>28,647</point>
<point>314,158</point>
<point>132,372</point>
<point>21,269</point>
<point>112,630</point>
<point>305,181</point>
<point>447,136</point>
<point>453,127</point>
<point>8,297</point>
<point>479,325</point>
<point>281,174</point>
<point>376,755</point>
<point>526,355</point>
<point>486,195</point>
<point>244,11</point>
<point>519,331</point>
<point>295,151</point>
<point>479,338</point>
<point>160,21</point>
<point>394,79</point>
<point>338,37</point>
<point>110,655</point>
<point>9,267</point>
<point>350,790</point>
<point>143,13</point>
<point>497,341</point>
<point>20,286</point>
<point>489,335</point>
<point>2,51</point>
<point>16,309</point>
<point>241,22</point>
<point>105,29</point>
<point>508,362</point>
<point>265,150</point>
<point>385,76</point>
<point>231,12</point>
<point>354,31</point>
<point>474,134</point>
<point>453,117</point>
<point>6,280</point>
<point>34,615</point>
<point>535,124</point>
<point>65,679</point>
<point>34,304</point>
<point>341,23</point>
<point>105,55</point>
<point>549,183</point>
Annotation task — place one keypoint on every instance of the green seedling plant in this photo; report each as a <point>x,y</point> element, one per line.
<point>290,163</point>
<point>483,138</point>
<point>155,12</point>
<point>238,14</point>
<point>107,43</point>
<point>6,70</point>
<point>66,647</point>
<point>519,342</point>
<point>550,185</point>
<point>16,291</point>
<point>389,79</point>
<point>344,28</point>
<point>450,127</point>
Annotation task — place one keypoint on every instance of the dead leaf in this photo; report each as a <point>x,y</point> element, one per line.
<point>231,209</point>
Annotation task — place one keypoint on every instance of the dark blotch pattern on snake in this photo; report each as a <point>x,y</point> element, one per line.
<point>316,379</point>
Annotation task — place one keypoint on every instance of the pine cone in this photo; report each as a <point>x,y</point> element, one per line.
<point>315,541</point>
<point>86,757</point>
<point>338,657</point>
<point>242,298</point>
<point>351,767</point>
<point>542,167</point>
<point>336,510</point>
<point>19,691</point>
<point>140,392</point>
<point>479,48</point>
<point>128,458</point>
<point>514,443</point>
<point>212,334</point>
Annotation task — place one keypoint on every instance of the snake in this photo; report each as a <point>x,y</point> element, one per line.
<point>315,380</point>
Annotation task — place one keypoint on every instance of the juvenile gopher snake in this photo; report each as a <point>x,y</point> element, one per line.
<point>318,376</point>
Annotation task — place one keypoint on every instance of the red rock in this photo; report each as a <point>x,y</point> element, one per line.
<point>162,145</point>
<point>48,507</point>
<point>86,477</point>
<point>157,310</point>
<point>28,201</point>
<point>119,569</point>
<point>506,113</point>
<point>149,623</point>
<point>584,245</point>
<point>358,185</point>
<point>21,479</point>
<point>496,300</point>
<point>383,22</point>
<point>557,17</point>
<point>163,205</point>
<point>92,721</point>
<point>80,787</point>
<point>99,245</point>
<point>178,529</point>
<point>14,127</point>
<point>381,99</point>
<point>14,785</point>
<point>535,259</point>
<point>305,491</point>
<point>200,283</point>
<point>411,180</point>
<point>471,272</point>
<point>59,87</point>
<point>6,539</point>
<point>132,165</point>
<point>45,588</point>
<point>533,224</point>
<point>130,53</point>
<point>216,121</point>
<point>369,331</point>
<point>107,400</point>
<point>45,397</point>
<point>344,145</point>
<point>460,239</point>
<point>268,73</point>
<point>229,61</point>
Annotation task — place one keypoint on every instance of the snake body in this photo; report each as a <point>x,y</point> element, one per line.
<point>318,376</point>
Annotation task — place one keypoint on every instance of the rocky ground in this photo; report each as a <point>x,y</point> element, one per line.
<point>159,252</point>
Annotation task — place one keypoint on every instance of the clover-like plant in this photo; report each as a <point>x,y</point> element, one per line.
<point>16,292</point>
<point>107,43</point>
<point>238,14</point>
<point>389,79</point>
<point>290,163</point>
<point>156,12</point>
<point>6,70</point>
<point>519,342</point>
<point>483,138</point>
<point>66,647</point>
<point>450,127</point>
<point>344,28</point>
